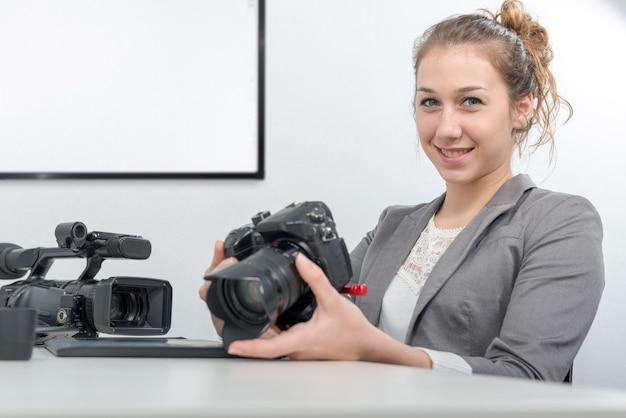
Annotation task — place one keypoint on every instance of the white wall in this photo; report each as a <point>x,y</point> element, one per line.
<point>339,129</point>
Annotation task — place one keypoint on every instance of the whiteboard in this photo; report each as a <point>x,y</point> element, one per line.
<point>131,88</point>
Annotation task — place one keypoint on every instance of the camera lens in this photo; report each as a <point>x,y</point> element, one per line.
<point>245,299</point>
<point>250,295</point>
<point>257,288</point>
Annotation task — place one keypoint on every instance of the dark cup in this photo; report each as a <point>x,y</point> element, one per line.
<point>17,333</point>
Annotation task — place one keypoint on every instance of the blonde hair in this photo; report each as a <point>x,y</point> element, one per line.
<point>518,48</point>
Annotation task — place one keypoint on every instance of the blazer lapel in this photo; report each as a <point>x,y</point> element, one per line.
<point>507,197</point>
<point>390,258</point>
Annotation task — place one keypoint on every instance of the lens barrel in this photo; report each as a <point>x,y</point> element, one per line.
<point>250,294</point>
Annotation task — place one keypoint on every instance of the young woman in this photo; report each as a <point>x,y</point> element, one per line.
<point>496,275</point>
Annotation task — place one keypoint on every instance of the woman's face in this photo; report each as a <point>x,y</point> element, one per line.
<point>464,117</point>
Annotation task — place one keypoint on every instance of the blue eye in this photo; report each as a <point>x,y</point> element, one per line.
<point>472,101</point>
<point>428,102</point>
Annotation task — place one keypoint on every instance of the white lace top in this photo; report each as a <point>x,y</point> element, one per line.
<point>401,296</point>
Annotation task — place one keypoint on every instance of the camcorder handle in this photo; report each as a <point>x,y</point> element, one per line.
<point>74,242</point>
<point>16,261</point>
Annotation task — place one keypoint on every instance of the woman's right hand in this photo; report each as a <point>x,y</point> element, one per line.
<point>218,261</point>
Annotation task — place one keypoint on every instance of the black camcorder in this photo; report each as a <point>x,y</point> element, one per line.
<point>264,287</point>
<point>81,308</point>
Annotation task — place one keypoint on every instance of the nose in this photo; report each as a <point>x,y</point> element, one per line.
<point>449,127</point>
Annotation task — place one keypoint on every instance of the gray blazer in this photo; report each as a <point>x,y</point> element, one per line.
<point>515,293</point>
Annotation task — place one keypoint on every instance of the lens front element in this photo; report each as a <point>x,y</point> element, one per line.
<point>250,295</point>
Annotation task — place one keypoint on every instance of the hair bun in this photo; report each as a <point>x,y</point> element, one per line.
<point>534,36</point>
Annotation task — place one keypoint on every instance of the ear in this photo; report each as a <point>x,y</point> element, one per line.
<point>523,111</point>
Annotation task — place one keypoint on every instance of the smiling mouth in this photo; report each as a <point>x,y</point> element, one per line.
<point>454,153</point>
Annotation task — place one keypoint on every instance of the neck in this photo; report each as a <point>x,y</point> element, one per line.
<point>464,201</point>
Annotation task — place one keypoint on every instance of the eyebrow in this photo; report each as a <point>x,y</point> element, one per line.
<point>461,90</point>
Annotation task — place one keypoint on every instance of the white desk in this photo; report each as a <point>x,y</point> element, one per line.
<point>49,386</point>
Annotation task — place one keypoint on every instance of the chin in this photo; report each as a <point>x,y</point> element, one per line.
<point>455,178</point>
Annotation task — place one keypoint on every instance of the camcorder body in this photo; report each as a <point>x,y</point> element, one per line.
<point>84,307</point>
<point>264,287</point>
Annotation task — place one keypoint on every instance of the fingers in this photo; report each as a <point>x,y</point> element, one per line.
<point>217,262</point>
<point>204,289</point>
<point>272,332</point>
<point>218,256</point>
<point>269,347</point>
<point>258,348</point>
<point>315,277</point>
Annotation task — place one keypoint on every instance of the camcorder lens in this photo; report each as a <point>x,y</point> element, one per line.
<point>117,308</point>
<point>131,305</point>
<point>125,307</point>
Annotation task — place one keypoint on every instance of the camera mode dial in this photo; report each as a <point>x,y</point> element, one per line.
<point>316,216</point>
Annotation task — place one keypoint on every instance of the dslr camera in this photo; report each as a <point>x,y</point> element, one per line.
<point>81,308</point>
<point>264,287</point>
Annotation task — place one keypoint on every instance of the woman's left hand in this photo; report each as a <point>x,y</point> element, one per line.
<point>337,330</point>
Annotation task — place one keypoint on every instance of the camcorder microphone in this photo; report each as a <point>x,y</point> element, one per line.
<point>86,306</point>
<point>12,257</point>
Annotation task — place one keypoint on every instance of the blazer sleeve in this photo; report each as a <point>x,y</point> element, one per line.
<point>555,296</point>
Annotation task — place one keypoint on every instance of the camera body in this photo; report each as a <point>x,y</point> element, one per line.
<point>264,287</point>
